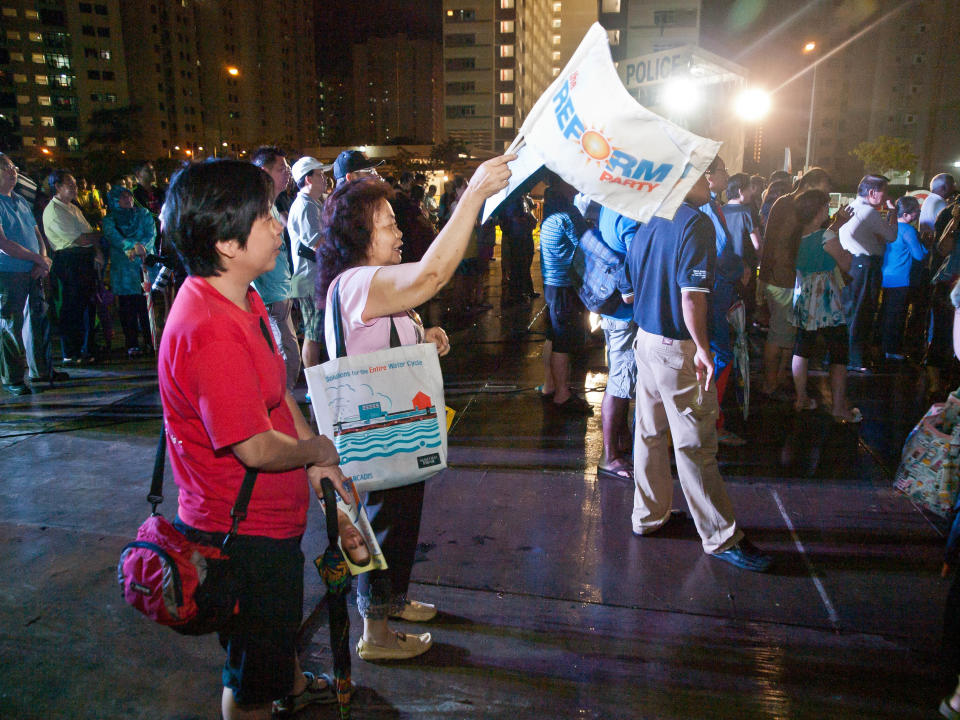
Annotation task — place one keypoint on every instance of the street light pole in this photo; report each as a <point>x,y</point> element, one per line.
<point>807,158</point>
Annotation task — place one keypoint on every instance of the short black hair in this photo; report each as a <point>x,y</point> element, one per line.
<point>210,202</point>
<point>303,180</point>
<point>736,183</point>
<point>406,177</point>
<point>907,205</point>
<point>266,155</point>
<point>56,177</point>
<point>872,182</point>
<point>780,175</point>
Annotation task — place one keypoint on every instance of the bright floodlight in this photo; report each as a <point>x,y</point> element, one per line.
<point>810,47</point>
<point>753,104</point>
<point>680,96</point>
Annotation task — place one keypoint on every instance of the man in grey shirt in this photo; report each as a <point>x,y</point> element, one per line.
<point>304,228</point>
<point>866,236</point>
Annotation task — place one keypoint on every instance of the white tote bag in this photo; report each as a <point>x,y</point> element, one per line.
<point>384,410</point>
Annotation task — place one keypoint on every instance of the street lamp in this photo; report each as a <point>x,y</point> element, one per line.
<point>233,71</point>
<point>807,159</point>
<point>752,104</point>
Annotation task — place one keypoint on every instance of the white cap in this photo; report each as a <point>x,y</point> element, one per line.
<point>304,165</point>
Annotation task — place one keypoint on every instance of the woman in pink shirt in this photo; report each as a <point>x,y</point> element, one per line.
<point>360,255</point>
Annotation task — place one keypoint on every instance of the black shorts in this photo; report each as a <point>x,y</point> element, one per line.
<point>261,639</point>
<point>565,329</point>
<point>836,338</point>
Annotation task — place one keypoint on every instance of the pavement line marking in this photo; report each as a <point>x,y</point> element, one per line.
<point>831,612</point>
<point>459,416</point>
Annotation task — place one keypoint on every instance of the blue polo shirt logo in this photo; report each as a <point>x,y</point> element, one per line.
<point>616,165</point>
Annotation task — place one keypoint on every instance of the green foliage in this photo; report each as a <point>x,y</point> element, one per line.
<point>112,127</point>
<point>448,152</point>
<point>886,154</point>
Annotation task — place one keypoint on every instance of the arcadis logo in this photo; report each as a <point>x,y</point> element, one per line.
<point>617,166</point>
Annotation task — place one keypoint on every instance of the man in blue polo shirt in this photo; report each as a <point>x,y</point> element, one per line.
<point>668,276</point>
<point>619,331</point>
<point>23,262</point>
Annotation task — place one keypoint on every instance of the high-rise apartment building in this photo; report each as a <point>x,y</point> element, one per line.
<point>397,90</point>
<point>59,63</point>
<point>212,81</point>
<point>498,57</point>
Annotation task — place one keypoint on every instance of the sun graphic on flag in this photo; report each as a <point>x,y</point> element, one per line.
<point>597,146</point>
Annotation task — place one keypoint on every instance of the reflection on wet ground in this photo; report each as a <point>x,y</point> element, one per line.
<point>551,607</point>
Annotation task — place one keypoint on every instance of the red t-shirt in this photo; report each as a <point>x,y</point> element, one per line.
<point>222,383</point>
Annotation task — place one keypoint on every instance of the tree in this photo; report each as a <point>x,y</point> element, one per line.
<point>110,131</point>
<point>885,154</point>
<point>448,152</point>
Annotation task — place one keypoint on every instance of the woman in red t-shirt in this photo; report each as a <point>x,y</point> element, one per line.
<point>226,408</point>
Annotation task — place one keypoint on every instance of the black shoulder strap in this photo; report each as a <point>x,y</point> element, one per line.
<point>330,510</point>
<point>337,319</point>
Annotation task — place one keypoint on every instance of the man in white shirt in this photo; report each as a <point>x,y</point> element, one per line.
<point>77,260</point>
<point>866,236</point>
<point>942,187</point>
<point>304,228</point>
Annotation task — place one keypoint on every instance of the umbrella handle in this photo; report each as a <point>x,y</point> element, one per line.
<point>330,509</point>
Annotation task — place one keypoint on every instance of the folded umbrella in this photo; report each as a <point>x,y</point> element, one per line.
<point>336,576</point>
<point>737,318</point>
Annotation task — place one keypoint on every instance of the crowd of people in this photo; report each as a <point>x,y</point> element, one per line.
<point>259,251</point>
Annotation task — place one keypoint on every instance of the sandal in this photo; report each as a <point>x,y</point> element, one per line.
<point>574,405</point>
<point>313,694</point>
<point>618,471</point>
<point>541,394</point>
<point>947,711</point>
<point>808,404</point>
<point>854,417</point>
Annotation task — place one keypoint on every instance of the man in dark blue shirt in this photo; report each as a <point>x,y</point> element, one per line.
<point>668,277</point>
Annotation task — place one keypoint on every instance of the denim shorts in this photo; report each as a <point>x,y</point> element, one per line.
<point>566,328</point>
<point>621,362</point>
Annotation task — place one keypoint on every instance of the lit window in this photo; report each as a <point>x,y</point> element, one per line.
<point>46,121</point>
<point>26,121</point>
<point>38,58</point>
<point>13,35</point>
<point>31,14</point>
<point>506,4</point>
<point>44,100</point>
<point>556,39</point>
<point>9,12</point>
<point>506,51</point>
<point>507,26</point>
<point>41,80</point>
<point>73,143</point>
<point>613,36</point>
<point>556,22</point>
<point>506,98</point>
<point>557,7</point>
<point>610,6</point>
<point>506,75</point>
<point>50,141</point>
<point>19,77</point>
<point>555,55</point>
<point>506,121</point>
<point>23,99</point>
<point>556,71</point>
<point>36,37</point>
<point>105,55</point>
<point>16,57</point>
<point>29,140</point>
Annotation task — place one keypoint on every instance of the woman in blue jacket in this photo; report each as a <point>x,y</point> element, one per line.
<point>901,256</point>
<point>131,233</point>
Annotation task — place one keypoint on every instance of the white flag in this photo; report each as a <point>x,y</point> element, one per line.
<point>588,129</point>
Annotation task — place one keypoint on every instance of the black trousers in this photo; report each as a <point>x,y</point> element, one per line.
<point>394,516</point>
<point>893,319</point>
<point>859,300</point>
<point>134,320</point>
<point>74,270</point>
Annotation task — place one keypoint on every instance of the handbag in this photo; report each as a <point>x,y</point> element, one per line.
<point>188,586</point>
<point>594,273</point>
<point>383,410</point>
<point>929,470</point>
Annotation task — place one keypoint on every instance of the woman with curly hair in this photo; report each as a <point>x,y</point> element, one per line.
<point>360,255</point>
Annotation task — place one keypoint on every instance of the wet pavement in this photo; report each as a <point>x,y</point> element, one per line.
<point>551,607</point>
